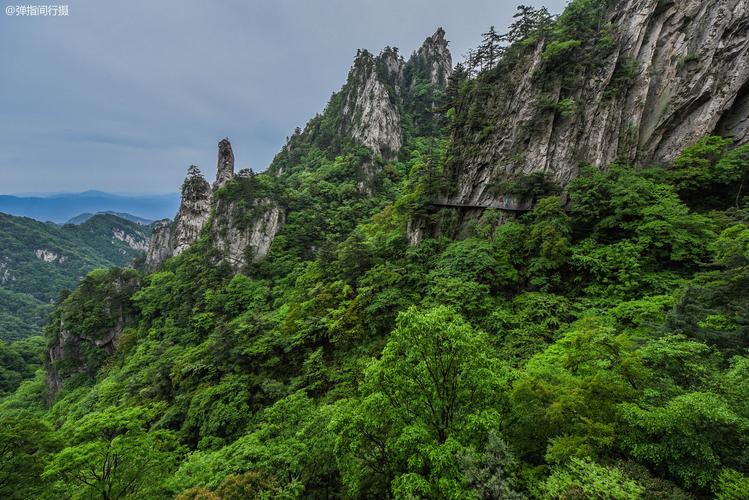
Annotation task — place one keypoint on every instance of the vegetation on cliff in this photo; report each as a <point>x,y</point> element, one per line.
<point>593,347</point>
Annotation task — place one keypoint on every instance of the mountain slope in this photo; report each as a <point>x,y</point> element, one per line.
<point>294,339</point>
<point>38,261</point>
<point>81,218</point>
<point>633,81</point>
<point>385,103</point>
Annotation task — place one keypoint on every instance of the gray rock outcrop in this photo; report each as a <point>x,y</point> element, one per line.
<point>241,236</point>
<point>225,167</point>
<point>240,229</point>
<point>194,210</point>
<point>679,70</point>
<point>370,114</point>
<point>160,246</point>
<point>434,58</point>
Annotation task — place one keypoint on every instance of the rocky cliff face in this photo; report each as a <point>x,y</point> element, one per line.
<point>380,88</point>
<point>243,236</point>
<point>677,71</point>
<point>194,210</point>
<point>170,239</point>
<point>368,110</point>
<point>434,58</point>
<point>159,248</point>
<point>76,347</point>
<point>239,234</point>
<point>370,113</point>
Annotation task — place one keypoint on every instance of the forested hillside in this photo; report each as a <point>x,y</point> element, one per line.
<point>39,262</point>
<point>407,305</point>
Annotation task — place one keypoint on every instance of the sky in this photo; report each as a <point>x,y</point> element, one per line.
<point>122,96</point>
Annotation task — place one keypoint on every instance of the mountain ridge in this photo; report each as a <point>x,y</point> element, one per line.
<point>39,260</point>
<point>474,315</point>
<point>59,208</point>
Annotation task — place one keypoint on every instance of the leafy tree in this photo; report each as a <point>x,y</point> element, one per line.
<point>26,444</point>
<point>582,478</point>
<point>564,403</point>
<point>111,454</point>
<point>430,398</point>
<point>691,438</point>
<point>710,174</point>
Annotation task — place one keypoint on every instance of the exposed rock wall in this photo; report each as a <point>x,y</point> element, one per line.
<point>690,64</point>
<point>77,348</point>
<point>242,236</point>
<point>160,246</point>
<point>368,110</point>
<point>434,58</point>
<point>370,114</point>
<point>135,241</point>
<point>194,211</point>
<point>235,231</point>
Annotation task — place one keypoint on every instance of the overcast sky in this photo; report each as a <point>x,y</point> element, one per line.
<point>124,95</point>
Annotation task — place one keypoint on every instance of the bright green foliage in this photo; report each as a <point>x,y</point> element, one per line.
<point>564,403</point>
<point>594,347</point>
<point>732,485</point>
<point>427,401</point>
<point>25,446</point>
<point>18,361</point>
<point>101,305</point>
<point>613,361</point>
<point>29,283</point>
<point>690,437</point>
<point>709,174</point>
<point>289,442</point>
<point>556,50</point>
<point>582,478</point>
<point>112,455</point>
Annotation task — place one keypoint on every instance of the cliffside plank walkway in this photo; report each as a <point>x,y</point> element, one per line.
<point>505,206</point>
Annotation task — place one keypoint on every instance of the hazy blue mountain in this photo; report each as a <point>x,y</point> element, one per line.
<point>81,218</point>
<point>60,208</point>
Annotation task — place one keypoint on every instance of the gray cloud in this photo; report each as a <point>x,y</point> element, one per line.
<point>123,96</point>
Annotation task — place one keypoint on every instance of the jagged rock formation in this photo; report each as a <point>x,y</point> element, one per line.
<point>378,88</point>
<point>225,169</point>
<point>171,239</point>
<point>241,237</point>
<point>434,57</point>
<point>370,114</point>
<point>159,248</point>
<point>394,66</point>
<point>238,236</point>
<point>367,110</point>
<point>676,71</point>
<point>194,211</point>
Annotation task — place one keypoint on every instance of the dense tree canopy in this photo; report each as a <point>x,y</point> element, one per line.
<point>592,347</point>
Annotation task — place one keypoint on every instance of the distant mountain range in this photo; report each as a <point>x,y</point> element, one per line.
<point>80,219</point>
<point>64,207</point>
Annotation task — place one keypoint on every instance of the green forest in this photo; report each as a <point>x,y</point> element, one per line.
<point>592,347</point>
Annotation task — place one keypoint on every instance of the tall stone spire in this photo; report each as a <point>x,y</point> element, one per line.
<point>225,170</point>
<point>434,59</point>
